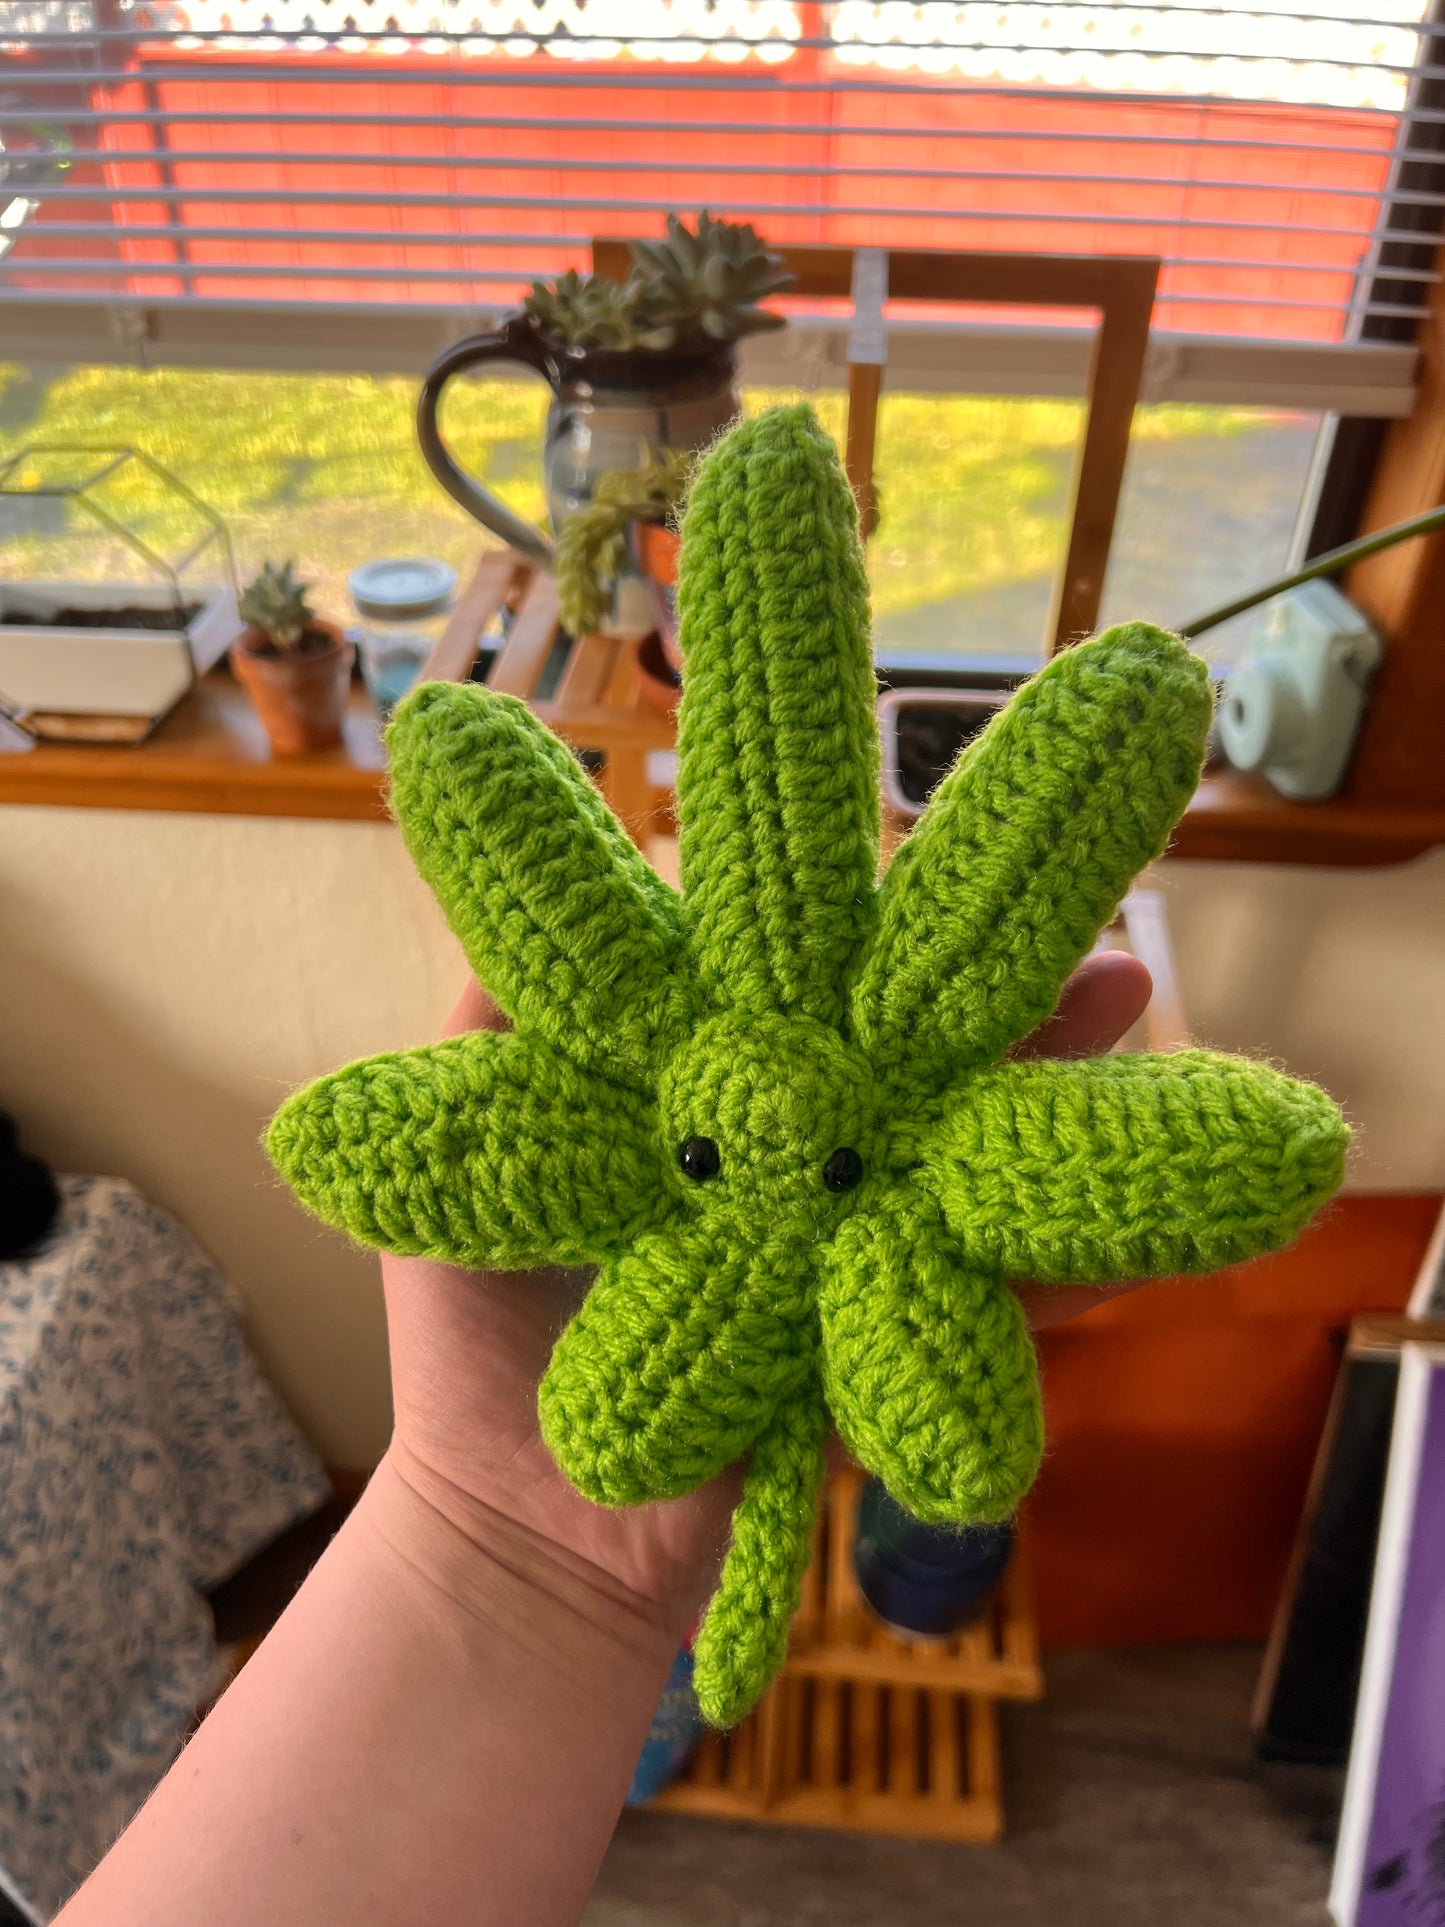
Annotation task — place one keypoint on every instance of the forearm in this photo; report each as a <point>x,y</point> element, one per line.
<point>441,1728</point>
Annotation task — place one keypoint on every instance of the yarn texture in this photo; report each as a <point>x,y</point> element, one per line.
<point>776,1108</point>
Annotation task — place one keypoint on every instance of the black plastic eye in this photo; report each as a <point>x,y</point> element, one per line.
<point>843,1170</point>
<point>699,1158</point>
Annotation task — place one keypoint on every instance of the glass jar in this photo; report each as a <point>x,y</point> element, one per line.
<point>403,603</point>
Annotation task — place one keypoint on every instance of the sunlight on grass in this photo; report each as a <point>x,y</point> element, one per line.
<point>973,489</point>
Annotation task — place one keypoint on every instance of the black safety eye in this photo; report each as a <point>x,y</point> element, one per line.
<point>843,1170</point>
<point>699,1158</point>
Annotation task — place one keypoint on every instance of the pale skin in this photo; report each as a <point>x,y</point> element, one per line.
<point>442,1726</point>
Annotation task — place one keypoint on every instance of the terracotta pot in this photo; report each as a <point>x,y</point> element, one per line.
<point>661,683</point>
<point>654,555</point>
<point>300,699</point>
<point>656,550</point>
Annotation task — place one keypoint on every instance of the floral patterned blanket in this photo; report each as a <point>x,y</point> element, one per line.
<point>143,1458</point>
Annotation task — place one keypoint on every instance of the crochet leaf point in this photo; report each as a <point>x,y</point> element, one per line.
<point>778,843</point>
<point>1028,846</point>
<point>451,1151</point>
<point>1132,1166</point>
<point>572,931</point>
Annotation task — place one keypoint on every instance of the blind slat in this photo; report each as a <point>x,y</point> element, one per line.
<point>770,81</point>
<point>799,130</point>
<point>531,204</point>
<point>567,45</point>
<point>714,79</point>
<point>457,239</point>
<point>1237,17</point>
<point>220,271</point>
<point>1224,140</point>
<point>721,170</point>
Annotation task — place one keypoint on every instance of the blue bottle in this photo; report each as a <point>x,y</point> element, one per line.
<point>929,1580</point>
<point>676,1728</point>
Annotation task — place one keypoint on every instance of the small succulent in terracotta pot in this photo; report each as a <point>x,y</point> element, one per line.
<point>295,668</point>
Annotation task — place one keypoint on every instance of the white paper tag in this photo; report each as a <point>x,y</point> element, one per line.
<point>868,337</point>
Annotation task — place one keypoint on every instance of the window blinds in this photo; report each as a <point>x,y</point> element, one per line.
<point>432,156</point>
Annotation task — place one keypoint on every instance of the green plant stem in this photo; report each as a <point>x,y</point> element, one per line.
<point>1330,563</point>
<point>591,547</point>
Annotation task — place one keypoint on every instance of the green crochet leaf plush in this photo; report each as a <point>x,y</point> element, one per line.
<point>778,1109</point>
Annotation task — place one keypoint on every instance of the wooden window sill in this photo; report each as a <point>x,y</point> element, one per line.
<point>210,755</point>
<point>1240,819</point>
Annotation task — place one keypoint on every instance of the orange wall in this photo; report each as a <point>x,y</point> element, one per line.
<point>1183,1421</point>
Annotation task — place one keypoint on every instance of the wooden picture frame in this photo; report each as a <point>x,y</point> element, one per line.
<point>1119,287</point>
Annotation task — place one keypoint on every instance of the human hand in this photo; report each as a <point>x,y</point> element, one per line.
<point>468,1349</point>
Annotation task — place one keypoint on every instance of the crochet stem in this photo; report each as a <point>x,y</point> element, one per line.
<point>744,1637</point>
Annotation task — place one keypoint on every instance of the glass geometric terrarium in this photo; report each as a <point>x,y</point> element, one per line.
<point>117,589</point>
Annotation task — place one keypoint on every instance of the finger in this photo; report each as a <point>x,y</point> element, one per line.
<point>1105,996</point>
<point>474,1010</point>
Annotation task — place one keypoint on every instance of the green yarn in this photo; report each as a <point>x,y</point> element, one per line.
<point>744,1638</point>
<point>1027,847</point>
<point>787,1007</point>
<point>777,737</point>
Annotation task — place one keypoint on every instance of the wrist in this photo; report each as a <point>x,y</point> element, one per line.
<point>441,1726</point>
<point>494,1579</point>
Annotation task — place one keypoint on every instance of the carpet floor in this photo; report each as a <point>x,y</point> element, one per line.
<point>1133,1799</point>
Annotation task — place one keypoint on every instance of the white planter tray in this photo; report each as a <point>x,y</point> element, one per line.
<point>104,684</point>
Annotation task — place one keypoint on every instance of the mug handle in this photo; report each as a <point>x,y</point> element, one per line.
<point>515,340</point>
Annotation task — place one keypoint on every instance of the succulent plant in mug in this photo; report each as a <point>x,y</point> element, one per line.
<point>589,311</point>
<point>711,280</point>
<point>644,374</point>
<point>696,288</point>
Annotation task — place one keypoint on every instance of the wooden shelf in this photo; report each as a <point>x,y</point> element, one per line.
<point>1240,819</point>
<point>210,755</point>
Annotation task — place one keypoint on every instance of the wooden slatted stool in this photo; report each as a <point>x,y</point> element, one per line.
<point>864,1731</point>
<point>588,688</point>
